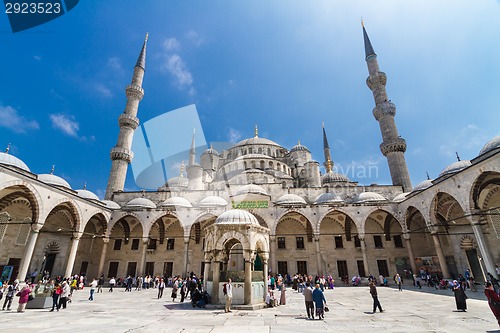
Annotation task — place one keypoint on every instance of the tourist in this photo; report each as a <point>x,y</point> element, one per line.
<point>460,297</point>
<point>23,298</point>
<point>112,283</point>
<point>308,298</point>
<point>282,295</point>
<point>9,292</point>
<point>93,285</point>
<point>373,292</point>
<point>493,300</point>
<point>398,281</point>
<point>174,290</point>
<point>100,283</point>
<point>319,302</point>
<point>229,295</point>
<point>161,286</point>
<point>56,293</point>
<point>140,282</point>
<point>64,295</point>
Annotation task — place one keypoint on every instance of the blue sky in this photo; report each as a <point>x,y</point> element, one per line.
<point>284,65</point>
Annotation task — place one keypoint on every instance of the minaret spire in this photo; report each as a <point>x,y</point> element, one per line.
<point>326,150</point>
<point>256,131</point>
<point>192,151</point>
<point>7,149</point>
<point>121,154</point>
<point>393,146</point>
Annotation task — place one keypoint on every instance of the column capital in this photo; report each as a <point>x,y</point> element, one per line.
<point>35,227</point>
<point>106,240</point>
<point>145,240</point>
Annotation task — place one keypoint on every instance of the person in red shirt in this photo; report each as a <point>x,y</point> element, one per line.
<point>493,300</point>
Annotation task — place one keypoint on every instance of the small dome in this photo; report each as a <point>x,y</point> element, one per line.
<point>290,199</point>
<point>175,202</point>
<point>111,204</point>
<point>490,145</point>
<point>87,195</point>
<point>236,216</point>
<point>328,198</point>
<point>211,150</point>
<point>213,201</point>
<point>333,177</point>
<point>367,197</point>
<point>423,185</point>
<point>251,188</point>
<point>299,147</point>
<point>53,180</point>
<point>13,161</point>
<point>455,167</point>
<point>140,203</point>
<point>179,181</point>
<point>400,197</point>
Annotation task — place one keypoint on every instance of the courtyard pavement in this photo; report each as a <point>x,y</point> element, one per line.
<point>410,310</point>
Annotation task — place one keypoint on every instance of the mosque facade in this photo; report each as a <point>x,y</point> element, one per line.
<point>311,223</point>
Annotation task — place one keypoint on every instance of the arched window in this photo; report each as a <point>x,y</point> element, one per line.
<point>260,150</point>
<point>269,151</point>
<point>271,165</point>
<point>262,165</point>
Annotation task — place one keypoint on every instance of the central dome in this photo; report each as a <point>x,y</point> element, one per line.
<point>236,216</point>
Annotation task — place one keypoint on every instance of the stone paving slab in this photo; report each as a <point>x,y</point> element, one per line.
<point>409,311</point>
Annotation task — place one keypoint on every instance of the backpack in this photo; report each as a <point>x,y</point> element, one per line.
<point>224,289</point>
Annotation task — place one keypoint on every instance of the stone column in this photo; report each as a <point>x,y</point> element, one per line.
<point>216,275</point>
<point>411,255</point>
<point>265,270</point>
<point>248,282</point>
<point>142,264</point>
<point>272,254</point>
<point>206,273</point>
<point>103,256</point>
<point>365,256</point>
<point>28,252</point>
<point>318,256</point>
<point>440,254</point>
<point>483,249</point>
<point>186,257</point>
<point>72,254</point>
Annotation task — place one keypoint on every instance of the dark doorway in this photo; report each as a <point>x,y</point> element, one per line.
<point>83,268</point>
<point>361,268</point>
<point>131,268</point>
<point>475,266</point>
<point>50,259</point>
<point>150,268</point>
<point>168,268</point>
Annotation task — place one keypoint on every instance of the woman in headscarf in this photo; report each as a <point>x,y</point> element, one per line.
<point>493,300</point>
<point>460,297</point>
<point>319,301</point>
<point>282,296</point>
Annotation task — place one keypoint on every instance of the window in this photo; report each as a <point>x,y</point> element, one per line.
<point>300,243</point>
<point>152,244</point>
<point>150,268</point>
<point>118,245</point>
<point>382,267</point>
<point>282,268</point>
<point>378,242</point>
<point>357,241</point>
<point>302,267</point>
<point>135,244</point>
<point>342,268</point>
<point>132,268</point>
<point>361,268</point>
<point>168,268</point>
<point>170,243</point>
<point>113,269</point>
<point>338,242</point>
<point>281,243</point>
<point>398,242</point>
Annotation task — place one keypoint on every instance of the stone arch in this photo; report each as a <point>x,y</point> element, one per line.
<point>68,207</point>
<point>261,220</point>
<point>232,236</point>
<point>302,219</point>
<point>52,247</point>
<point>26,190</point>
<point>467,243</point>
<point>486,180</point>
<point>446,209</point>
<point>330,211</point>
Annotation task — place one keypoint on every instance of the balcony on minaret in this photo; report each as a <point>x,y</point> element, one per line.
<point>393,146</point>
<point>383,109</point>
<point>134,91</point>
<point>128,121</point>
<point>373,81</point>
<point>120,153</point>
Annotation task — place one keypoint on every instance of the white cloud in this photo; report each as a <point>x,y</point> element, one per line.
<point>66,124</point>
<point>9,118</point>
<point>115,64</point>
<point>467,141</point>
<point>234,135</point>
<point>194,38</point>
<point>103,90</point>
<point>176,66</point>
<point>171,44</point>
<point>37,58</point>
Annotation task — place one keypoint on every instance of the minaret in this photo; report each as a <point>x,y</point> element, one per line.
<point>194,171</point>
<point>326,150</point>
<point>192,151</point>
<point>393,146</point>
<point>121,155</point>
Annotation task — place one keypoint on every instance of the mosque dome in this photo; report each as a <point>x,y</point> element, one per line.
<point>52,179</point>
<point>423,185</point>
<point>490,145</point>
<point>256,141</point>
<point>6,158</point>
<point>290,200</point>
<point>176,202</point>
<point>299,147</point>
<point>140,203</point>
<point>333,177</point>
<point>328,198</point>
<point>251,188</point>
<point>400,197</point>
<point>368,197</point>
<point>85,194</point>
<point>211,150</point>
<point>236,216</point>
<point>111,204</point>
<point>213,201</point>
<point>455,167</point>
<point>179,181</point>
